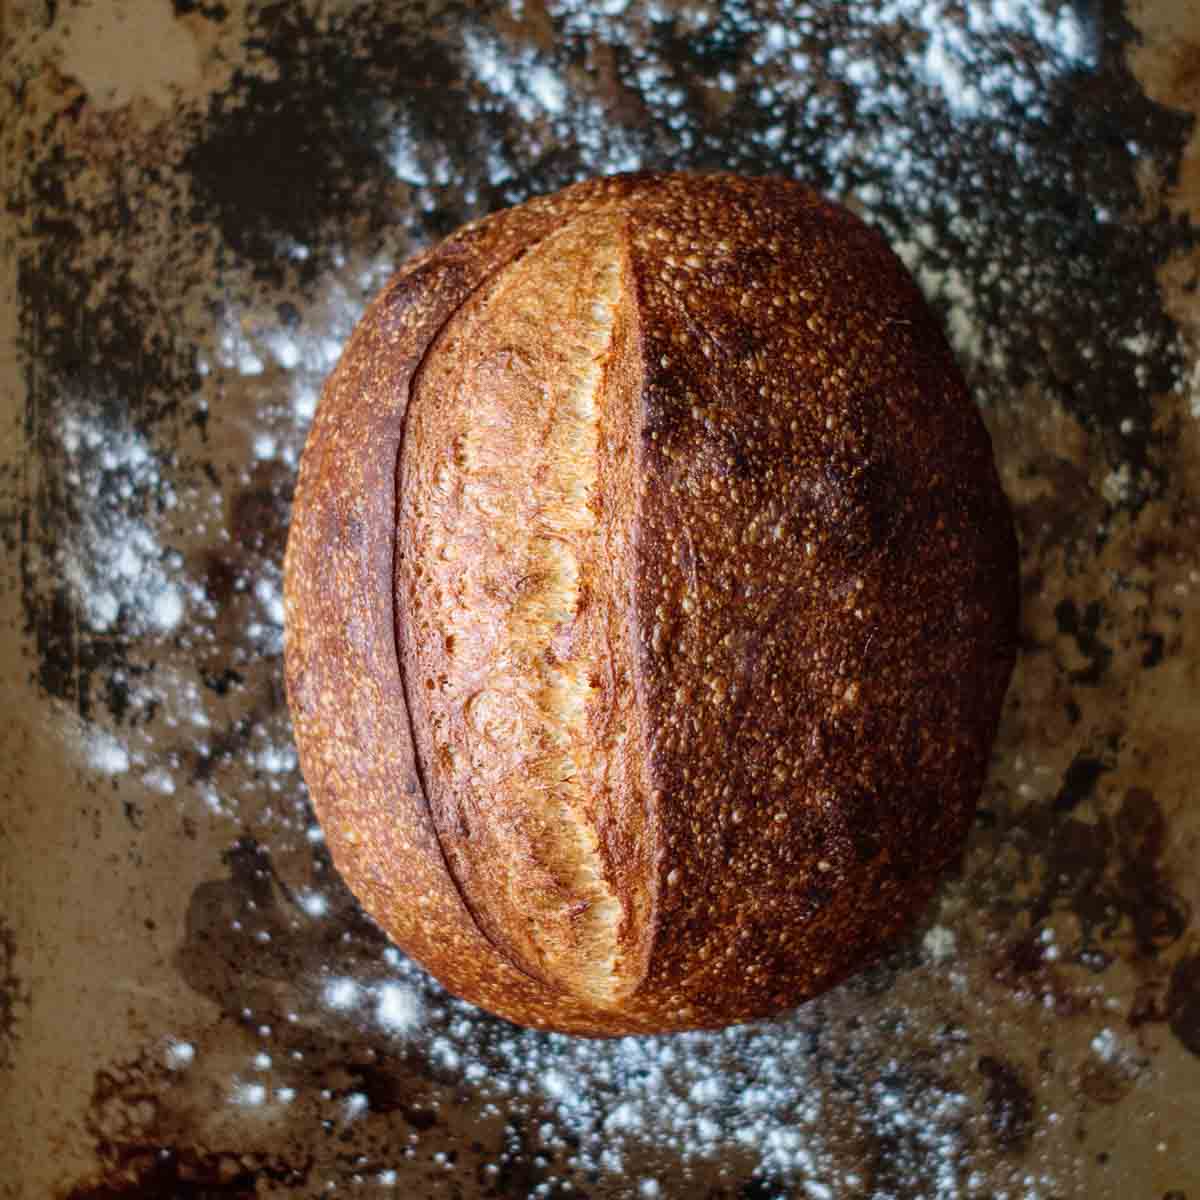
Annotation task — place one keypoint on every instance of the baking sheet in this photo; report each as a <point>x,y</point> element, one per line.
<point>200,199</point>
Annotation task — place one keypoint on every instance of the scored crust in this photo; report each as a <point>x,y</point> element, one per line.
<point>650,600</point>
<point>508,552</point>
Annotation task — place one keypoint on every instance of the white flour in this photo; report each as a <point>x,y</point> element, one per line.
<point>1190,387</point>
<point>759,1090</point>
<point>121,575</point>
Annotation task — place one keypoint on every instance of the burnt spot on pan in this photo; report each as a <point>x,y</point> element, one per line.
<point>149,1172</point>
<point>1010,1103</point>
<point>1082,628</point>
<point>144,1124</point>
<point>1183,1003</point>
<point>286,159</point>
<point>1107,872</point>
<point>250,945</point>
<point>213,11</point>
<point>13,996</point>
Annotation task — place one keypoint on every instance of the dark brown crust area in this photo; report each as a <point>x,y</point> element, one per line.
<point>826,593</point>
<point>822,610</point>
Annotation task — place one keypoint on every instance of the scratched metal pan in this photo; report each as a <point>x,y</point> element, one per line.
<point>200,197</point>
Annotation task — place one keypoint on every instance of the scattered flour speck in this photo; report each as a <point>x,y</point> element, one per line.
<point>313,903</point>
<point>179,1055</point>
<point>249,1095</point>
<point>341,994</point>
<point>397,1008</point>
<point>939,943</point>
<point>119,571</point>
<point>105,753</point>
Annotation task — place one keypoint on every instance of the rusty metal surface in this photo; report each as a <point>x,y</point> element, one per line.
<point>199,199</point>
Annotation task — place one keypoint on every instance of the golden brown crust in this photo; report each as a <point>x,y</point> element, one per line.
<point>782,605</point>
<point>519,676</point>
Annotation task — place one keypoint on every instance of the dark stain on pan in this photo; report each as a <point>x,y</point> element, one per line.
<point>151,1124</point>
<point>10,525</point>
<point>1022,968</point>
<point>1108,872</point>
<point>1158,914</point>
<point>246,945</point>
<point>13,995</point>
<point>144,1126</point>
<point>1009,1102</point>
<point>142,1172</point>
<point>1082,628</point>
<point>280,159</point>
<point>1109,1081</point>
<point>108,355</point>
<point>1079,781</point>
<point>258,518</point>
<point>1183,1003</point>
<point>386,1082</point>
<point>214,12</point>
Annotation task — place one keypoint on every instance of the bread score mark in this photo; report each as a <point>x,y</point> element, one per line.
<point>501,552</point>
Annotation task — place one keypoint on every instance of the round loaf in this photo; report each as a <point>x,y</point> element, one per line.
<point>650,602</point>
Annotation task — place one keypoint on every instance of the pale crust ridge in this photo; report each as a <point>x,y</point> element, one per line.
<point>500,560</point>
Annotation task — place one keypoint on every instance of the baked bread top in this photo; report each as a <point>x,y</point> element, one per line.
<point>650,602</point>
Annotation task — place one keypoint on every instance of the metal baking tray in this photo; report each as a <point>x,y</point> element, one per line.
<point>200,198</point>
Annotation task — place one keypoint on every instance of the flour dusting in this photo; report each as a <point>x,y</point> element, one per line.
<point>121,574</point>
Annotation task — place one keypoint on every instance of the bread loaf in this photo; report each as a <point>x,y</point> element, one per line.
<point>650,602</point>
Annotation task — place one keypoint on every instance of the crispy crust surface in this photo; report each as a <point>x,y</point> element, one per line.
<point>751,647</point>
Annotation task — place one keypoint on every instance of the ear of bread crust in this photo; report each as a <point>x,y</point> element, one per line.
<point>511,567</point>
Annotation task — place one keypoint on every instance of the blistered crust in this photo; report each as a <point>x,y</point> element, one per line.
<point>784,638</point>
